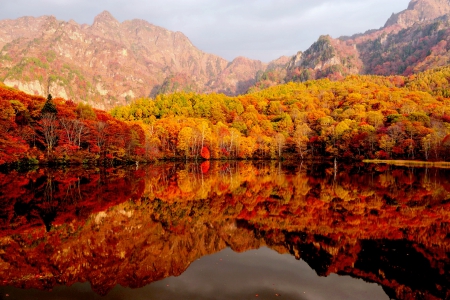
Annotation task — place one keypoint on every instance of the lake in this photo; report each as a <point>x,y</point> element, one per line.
<point>226,230</point>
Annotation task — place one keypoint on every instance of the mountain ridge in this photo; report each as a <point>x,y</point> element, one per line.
<point>109,63</point>
<point>411,41</point>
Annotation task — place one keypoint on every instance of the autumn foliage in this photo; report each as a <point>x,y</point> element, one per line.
<point>31,133</point>
<point>205,153</point>
<point>359,117</point>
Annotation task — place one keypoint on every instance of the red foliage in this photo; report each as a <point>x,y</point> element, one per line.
<point>382,154</point>
<point>139,151</point>
<point>205,153</point>
<point>204,167</point>
<point>74,138</point>
<point>224,152</point>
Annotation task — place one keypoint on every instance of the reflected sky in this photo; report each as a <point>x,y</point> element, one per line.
<point>255,274</point>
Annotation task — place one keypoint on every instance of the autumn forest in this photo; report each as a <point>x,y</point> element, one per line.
<point>359,117</point>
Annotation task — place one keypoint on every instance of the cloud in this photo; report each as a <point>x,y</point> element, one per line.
<point>259,29</point>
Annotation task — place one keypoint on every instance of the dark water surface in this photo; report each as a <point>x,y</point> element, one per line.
<point>229,275</point>
<point>234,230</point>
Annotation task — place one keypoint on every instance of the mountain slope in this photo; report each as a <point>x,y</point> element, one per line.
<point>109,62</point>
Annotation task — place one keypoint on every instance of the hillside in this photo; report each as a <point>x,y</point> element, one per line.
<point>359,117</point>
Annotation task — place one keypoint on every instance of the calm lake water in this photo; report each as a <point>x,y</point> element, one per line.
<point>226,230</point>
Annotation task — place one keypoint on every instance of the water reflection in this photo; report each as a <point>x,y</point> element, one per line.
<point>228,275</point>
<point>133,227</point>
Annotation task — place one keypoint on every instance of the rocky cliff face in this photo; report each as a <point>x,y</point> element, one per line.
<point>327,57</point>
<point>110,63</point>
<point>231,80</point>
<point>419,11</point>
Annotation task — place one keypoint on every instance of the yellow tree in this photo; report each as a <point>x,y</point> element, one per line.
<point>301,138</point>
<point>387,143</point>
<point>185,140</point>
<point>205,132</point>
<point>280,141</point>
<point>247,147</point>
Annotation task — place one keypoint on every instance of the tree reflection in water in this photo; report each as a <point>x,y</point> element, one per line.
<point>132,227</point>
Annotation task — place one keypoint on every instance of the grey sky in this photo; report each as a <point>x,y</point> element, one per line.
<point>258,29</point>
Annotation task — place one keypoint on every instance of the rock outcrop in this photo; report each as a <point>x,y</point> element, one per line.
<point>419,11</point>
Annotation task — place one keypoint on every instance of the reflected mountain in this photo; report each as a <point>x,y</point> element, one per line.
<point>384,224</point>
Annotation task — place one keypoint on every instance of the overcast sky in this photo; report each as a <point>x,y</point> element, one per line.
<point>258,29</point>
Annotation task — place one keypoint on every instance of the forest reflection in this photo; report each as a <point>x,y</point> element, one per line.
<point>131,226</point>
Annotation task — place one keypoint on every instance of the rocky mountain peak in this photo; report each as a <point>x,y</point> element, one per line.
<point>106,18</point>
<point>418,4</point>
<point>419,11</point>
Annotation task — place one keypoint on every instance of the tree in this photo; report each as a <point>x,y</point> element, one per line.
<point>49,125</point>
<point>247,147</point>
<point>49,107</point>
<point>100,134</point>
<point>375,118</point>
<point>7,115</point>
<point>301,138</point>
<point>205,153</point>
<point>185,140</point>
<point>280,141</point>
<point>205,132</point>
<point>387,143</point>
<point>85,111</point>
<point>234,141</point>
<point>152,142</point>
<point>74,130</point>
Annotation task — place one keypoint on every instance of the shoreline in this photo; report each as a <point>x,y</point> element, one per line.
<point>410,163</point>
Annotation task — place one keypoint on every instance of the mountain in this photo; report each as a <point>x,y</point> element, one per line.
<point>419,11</point>
<point>411,41</point>
<point>110,63</point>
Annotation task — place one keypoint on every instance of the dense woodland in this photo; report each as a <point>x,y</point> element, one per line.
<point>358,117</point>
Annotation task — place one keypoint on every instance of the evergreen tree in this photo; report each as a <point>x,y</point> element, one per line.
<point>49,106</point>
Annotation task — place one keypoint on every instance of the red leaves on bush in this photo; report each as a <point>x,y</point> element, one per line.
<point>205,153</point>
